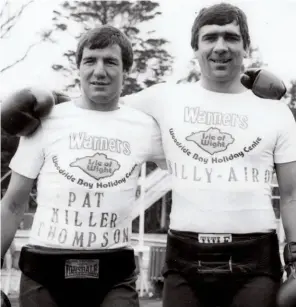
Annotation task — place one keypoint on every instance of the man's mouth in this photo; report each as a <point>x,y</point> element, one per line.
<point>99,83</point>
<point>220,61</point>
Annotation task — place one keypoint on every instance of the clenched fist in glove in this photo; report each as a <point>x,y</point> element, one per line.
<point>287,293</point>
<point>21,112</point>
<point>263,84</point>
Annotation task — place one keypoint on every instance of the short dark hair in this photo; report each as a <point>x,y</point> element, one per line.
<point>102,37</point>
<point>220,14</point>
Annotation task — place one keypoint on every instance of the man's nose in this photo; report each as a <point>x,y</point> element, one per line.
<point>100,69</point>
<point>220,46</point>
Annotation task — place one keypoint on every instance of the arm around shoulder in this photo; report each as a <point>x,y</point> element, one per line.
<point>149,100</point>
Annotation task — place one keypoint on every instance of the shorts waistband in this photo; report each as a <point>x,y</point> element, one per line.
<point>49,267</point>
<point>235,236</point>
<point>61,251</point>
<point>255,253</point>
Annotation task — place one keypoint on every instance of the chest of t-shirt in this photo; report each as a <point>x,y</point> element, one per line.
<point>93,153</point>
<point>209,135</point>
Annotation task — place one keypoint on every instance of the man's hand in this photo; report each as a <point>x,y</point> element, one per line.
<point>21,111</point>
<point>287,293</point>
<point>263,84</point>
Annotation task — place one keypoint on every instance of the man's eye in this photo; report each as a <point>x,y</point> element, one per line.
<point>88,61</point>
<point>232,38</point>
<point>210,38</point>
<point>111,62</point>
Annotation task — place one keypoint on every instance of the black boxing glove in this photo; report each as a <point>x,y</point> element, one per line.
<point>21,111</point>
<point>5,302</point>
<point>287,294</point>
<point>263,83</point>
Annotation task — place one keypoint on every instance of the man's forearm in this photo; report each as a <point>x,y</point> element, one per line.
<point>288,214</point>
<point>11,216</point>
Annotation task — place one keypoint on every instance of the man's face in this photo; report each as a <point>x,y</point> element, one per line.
<point>101,74</point>
<point>220,52</point>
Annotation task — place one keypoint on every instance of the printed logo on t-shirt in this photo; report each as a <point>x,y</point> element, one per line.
<point>212,140</point>
<point>199,116</point>
<point>83,140</point>
<point>213,143</point>
<point>95,169</point>
<point>97,166</point>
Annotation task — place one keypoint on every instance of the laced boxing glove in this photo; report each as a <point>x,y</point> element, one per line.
<point>287,294</point>
<point>21,111</point>
<point>263,84</point>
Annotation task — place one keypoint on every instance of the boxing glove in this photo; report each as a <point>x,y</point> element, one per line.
<point>263,83</point>
<point>287,294</point>
<point>5,302</point>
<point>21,111</point>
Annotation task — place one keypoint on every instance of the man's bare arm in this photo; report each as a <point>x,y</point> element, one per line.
<point>286,175</point>
<point>13,207</point>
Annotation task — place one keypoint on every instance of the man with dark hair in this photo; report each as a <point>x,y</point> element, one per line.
<point>222,247</point>
<point>79,251</point>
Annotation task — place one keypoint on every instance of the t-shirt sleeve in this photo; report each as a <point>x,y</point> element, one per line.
<point>29,156</point>
<point>156,152</point>
<point>148,100</point>
<point>285,150</point>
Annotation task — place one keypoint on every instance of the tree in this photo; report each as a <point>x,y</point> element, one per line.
<point>9,18</point>
<point>291,95</point>
<point>193,73</point>
<point>151,60</point>
<point>7,23</point>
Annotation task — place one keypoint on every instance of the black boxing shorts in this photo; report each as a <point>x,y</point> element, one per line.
<point>77,278</point>
<point>197,256</point>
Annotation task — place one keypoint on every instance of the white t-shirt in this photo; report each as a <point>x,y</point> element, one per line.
<point>87,163</point>
<point>220,149</point>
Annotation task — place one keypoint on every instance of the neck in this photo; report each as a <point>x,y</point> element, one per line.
<point>229,87</point>
<point>106,105</point>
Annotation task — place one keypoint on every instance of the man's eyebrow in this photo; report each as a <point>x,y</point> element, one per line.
<point>88,58</point>
<point>213,33</point>
<point>112,58</point>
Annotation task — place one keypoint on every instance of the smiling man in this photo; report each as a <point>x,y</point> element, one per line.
<point>222,145</point>
<point>87,155</point>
